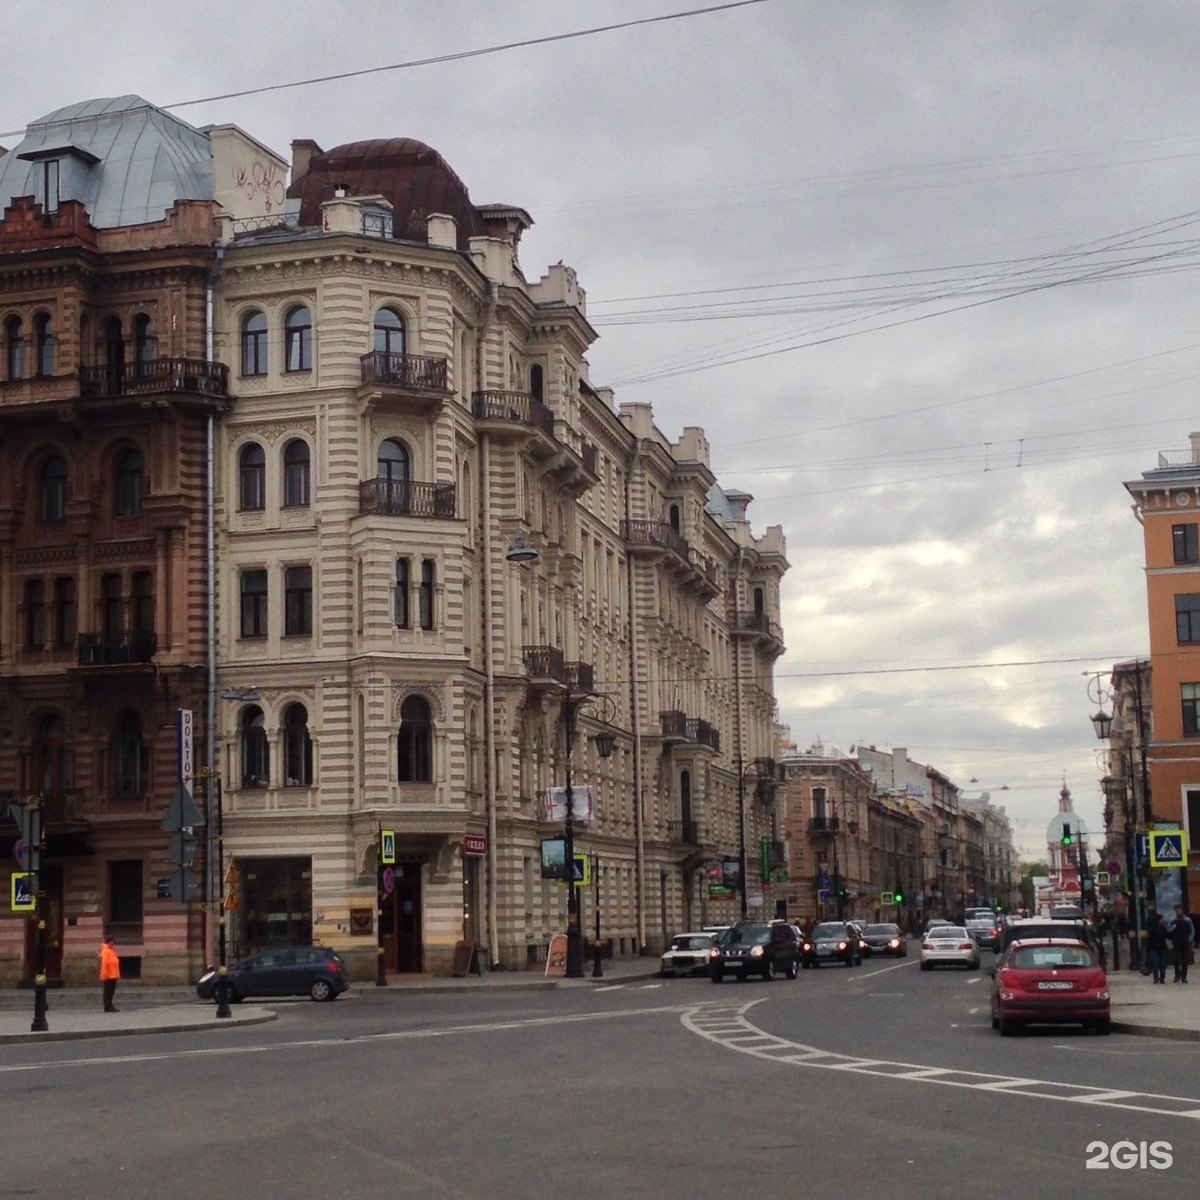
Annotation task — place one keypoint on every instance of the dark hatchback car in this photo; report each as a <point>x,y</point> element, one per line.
<point>312,971</point>
<point>885,939</point>
<point>750,948</point>
<point>1040,928</point>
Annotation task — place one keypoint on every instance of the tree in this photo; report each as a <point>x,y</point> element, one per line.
<point>1028,871</point>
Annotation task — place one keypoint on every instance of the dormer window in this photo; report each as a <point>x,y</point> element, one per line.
<point>49,182</point>
<point>376,222</point>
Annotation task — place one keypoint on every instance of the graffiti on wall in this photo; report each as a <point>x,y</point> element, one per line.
<point>263,180</point>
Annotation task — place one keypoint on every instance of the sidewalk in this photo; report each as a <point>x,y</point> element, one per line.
<point>1169,1010</point>
<point>76,1012</point>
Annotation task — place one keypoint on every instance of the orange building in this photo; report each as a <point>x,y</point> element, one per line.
<point>1167,503</point>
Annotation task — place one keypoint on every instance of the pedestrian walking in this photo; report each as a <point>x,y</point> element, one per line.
<point>1157,945</point>
<point>110,972</point>
<point>1181,933</point>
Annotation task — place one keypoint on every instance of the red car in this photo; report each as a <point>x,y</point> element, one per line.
<point>1052,980</point>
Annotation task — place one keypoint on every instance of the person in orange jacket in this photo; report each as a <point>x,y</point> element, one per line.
<point>110,972</point>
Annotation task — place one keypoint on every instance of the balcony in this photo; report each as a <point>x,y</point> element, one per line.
<point>657,535</point>
<point>703,734</point>
<point>686,833</point>
<point>155,376</point>
<point>581,677</point>
<point>823,825</point>
<point>407,372</point>
<point>407,498</point>
<point>116,649</point>
<point>545,664</point>
<point>517,409</point>
<point>674,726</point>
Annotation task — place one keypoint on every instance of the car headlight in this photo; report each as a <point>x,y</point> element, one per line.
<point>841,945</point>
<point>714,953</point>
<point>894,943</point>
<point>207,976</point>
<point>756,952</point>
<point>807,947</point>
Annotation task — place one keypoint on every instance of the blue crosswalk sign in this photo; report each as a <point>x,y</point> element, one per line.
<point>23,898</point>
<point>1168,848</point>
<point>1141,847</point>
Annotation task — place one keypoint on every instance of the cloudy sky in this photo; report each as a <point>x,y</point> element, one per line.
<point>923,270</point>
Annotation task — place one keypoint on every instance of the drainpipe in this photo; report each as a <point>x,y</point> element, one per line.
<point>489,669</point>
<point>635,717</point>
<point>736,648</point>
<point>210,715</point>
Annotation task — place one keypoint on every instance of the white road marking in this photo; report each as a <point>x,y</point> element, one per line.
<point>975,979</point>
<point>730,1028</point>
<point>611,987</point>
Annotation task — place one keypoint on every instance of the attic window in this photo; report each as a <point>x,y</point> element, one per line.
<point>49,183</point>
<point>376,222</point>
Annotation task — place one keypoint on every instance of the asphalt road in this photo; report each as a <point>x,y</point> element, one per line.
<point>881,1081</point>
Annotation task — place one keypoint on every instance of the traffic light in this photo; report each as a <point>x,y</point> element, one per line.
<point>899,894</point>
<point>999,908</point>
<point>1067,839</point>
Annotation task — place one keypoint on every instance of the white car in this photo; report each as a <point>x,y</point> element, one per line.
<point>949,945</point>
<point>687,954</point>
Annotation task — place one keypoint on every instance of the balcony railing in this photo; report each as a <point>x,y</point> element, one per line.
<point>686,832</point>
<point>674,724</point>
<point>194,376</point>
<point>638,532</point>
<point>415,372</point>
<point>703,733</point>
<point>545,662</point>
<point>520,407</point>
<point>757,622</point>
<point>63,807</point>
<point>823,825</point>
<point>580,677</point>
<point>406,498</point>
<point>113,649</point>
<point>590,456</point>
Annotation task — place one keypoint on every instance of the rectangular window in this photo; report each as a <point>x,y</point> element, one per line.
<point>65,620</point>
<point>143,602</point>
<point>297,601</point>
<point>1187,619</point>
<point>35,614</point>
<point>818,802</point>
<point>49,186</point>
<point>1190,695</point>
<point>400,601</point>
<point>110,599</point>
<point>125,892</point>
<point>254,604</point>
<point>425,594</point>
<point>1185,544</point>
<point>1191,817</point>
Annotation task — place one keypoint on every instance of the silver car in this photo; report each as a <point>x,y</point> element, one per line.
<point>687,954</point>
<point>949,945</point>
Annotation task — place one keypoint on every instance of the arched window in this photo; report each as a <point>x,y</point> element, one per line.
<point>415,750</point>
<point>673,517</point>
<point>14,348</point>
<point>536,387</point>
<point>254,344</point>
<point>43,335</point>
<point>54,490</point>
<point>295,474</point>
<point>758,602</point>
<point>252,478</point>
<point>297,329</point>
<point>389,332</point>
<point>52,755</point>
<point>392,472</point>
<point>131,757</point>
<point>297,747</point>
<point>130,481</point>
<point>255,765</point>
<point>144,344</point>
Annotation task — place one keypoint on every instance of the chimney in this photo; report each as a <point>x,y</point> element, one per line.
<point>303,150</point>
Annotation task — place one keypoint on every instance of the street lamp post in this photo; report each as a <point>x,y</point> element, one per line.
<point>765,771</point>
<point>604,747</point>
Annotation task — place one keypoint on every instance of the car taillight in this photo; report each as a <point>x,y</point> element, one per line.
<point>335,967</point>
<point>965,945</point>
<point>1008,980</point>
<point>926,945</point>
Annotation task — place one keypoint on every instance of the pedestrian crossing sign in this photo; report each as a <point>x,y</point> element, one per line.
<point>1168,848</point>
<point>23,898</point>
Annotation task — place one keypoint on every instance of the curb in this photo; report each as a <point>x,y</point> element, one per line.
<point>1156,1031</point>
<point>78,1035</point>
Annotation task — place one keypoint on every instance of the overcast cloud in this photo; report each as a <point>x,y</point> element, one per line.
<point>991,208</point>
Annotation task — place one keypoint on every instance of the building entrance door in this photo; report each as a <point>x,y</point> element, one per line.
<point>401,925</point>
<point>52,884</point>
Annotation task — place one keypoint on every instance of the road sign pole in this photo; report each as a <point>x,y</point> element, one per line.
<point>380,975</point>
<point>222,988</point>
<point>37,854</point>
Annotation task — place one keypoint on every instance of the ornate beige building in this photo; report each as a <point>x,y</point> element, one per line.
<point>407,407</point>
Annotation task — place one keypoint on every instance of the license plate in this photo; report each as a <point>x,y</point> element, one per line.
<point>1054,987</point>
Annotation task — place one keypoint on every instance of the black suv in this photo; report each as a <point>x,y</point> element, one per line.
<point>832,941</point>
<point>1038,928</point>
<point>750,948</point>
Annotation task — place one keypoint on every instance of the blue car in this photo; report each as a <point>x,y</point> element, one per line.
<point>313,971</point>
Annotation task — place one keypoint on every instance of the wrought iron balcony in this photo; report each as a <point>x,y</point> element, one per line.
<point>674,725</point>
<point>519,407</point>
<point>703,734</point>
<point>756,622</point>
<point>407,498</point>
<point>580,677</point>
<point>115,649</point>
<point>638,532</point>
<point>412,372</point>
<point>545,662</point>
<point>823,825</point>
<point>190,376</point>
